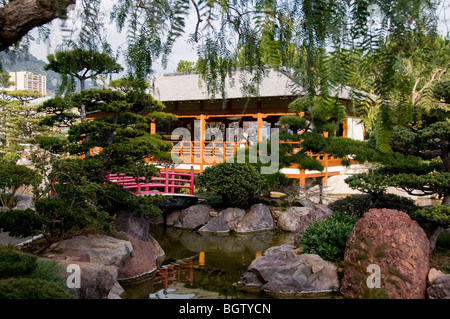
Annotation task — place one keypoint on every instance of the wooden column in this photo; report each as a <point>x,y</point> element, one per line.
<point>260,127</point>
<point>345,128</point>
<point>152,128</point>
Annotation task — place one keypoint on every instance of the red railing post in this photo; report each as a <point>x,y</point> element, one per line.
<point>191,189</point>
<point>166,181</point>
<point>138,189</point>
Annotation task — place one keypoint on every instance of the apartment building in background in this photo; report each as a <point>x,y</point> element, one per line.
<point>28,81</point>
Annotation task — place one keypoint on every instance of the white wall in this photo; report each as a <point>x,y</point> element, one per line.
<point>355,128</point>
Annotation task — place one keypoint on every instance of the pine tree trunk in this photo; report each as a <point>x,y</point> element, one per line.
<point>83,107</point>
<point>433,230</point>
<point>446,200</point>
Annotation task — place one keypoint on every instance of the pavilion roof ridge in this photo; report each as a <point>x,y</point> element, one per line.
<point>189,86</point>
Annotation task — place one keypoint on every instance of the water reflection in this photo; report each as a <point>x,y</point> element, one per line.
<point>203,266</point>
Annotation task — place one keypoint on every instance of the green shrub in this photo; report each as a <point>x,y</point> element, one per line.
<point>438,214</point>
<point>359,204</point>
<point>51,271</point>
<point>9,158</point>
<point>327,238</point>
<point>14,263</point>
<point>20,223</point>
<point>28,288</point>
<point>236,182</point>
<point>12,177</point>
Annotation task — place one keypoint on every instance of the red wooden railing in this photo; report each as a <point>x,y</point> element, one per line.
<point>168,180</point>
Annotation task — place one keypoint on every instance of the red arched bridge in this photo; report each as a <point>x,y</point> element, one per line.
<point>167,183</point>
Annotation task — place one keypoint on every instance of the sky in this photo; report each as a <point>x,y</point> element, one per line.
<point>181,50</point>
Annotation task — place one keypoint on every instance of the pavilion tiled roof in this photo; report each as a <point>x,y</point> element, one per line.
<point>189,86</point>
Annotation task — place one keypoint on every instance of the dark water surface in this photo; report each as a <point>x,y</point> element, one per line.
<point>200,266</point>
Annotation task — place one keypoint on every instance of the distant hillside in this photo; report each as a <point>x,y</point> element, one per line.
<point>27,62</point>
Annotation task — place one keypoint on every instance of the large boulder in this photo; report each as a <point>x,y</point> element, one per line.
<point>286,273</point>
<point>232,216</point>
<point>405,263</point>
<point>97,280</point>
<point>129,223</point>
<point>215,226</point>
<point>259,218</point>
<point>194,217</point>
<point>289,219</point>
<point>99,249</point>
<point>440,289</point>
<point>147,253</point>
<point>296,219</point>
<point>144,259</point>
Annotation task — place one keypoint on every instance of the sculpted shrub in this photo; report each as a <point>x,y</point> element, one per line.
<point>359,204</point>
<point>236,182</point>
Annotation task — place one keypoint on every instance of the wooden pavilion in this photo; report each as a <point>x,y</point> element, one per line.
<point>185,95</point>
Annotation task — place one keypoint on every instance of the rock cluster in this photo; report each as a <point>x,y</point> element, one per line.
<point>439,285</point>
<point>258,218</point>
<point>207,220</point>
<point>282,272</point>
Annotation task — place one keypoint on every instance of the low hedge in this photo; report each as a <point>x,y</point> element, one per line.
<point>15,264</point>
<point>29,288</point>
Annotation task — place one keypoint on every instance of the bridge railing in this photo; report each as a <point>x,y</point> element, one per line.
<point>168,180</point>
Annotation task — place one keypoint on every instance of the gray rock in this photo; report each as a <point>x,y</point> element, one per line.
<point>172,217</point>
<point>24,202</point>
<point>145,258</point>
<point>259,218</point>
<point>158,220</point>
<point>319,212</point>
<point>96,280</point>
<point>216,226</point>
<point>232,216</point>
<point>290,274</point>
<point>194,217</point>
<point>323,211</point>
<point>129,223</point>
<point>307,203</point>
<point>440,289</point>
<point>116,291</point>
<point>4,209</point>
<point>289,220</point>
<point>277,249</point>
<point>101,249</point>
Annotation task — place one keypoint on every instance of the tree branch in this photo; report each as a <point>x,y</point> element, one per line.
<point>437,75</point>
<point>18,17</point>
<point>199,20</point>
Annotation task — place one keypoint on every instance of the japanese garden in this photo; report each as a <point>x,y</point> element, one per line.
<point>303,153</point>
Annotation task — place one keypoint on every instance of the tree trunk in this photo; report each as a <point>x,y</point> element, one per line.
<point>433,230</point>
<point>83,107</point>
<point>446,200</point>
<point>18,17</point>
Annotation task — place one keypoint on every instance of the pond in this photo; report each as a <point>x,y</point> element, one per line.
<point>200,266</point>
